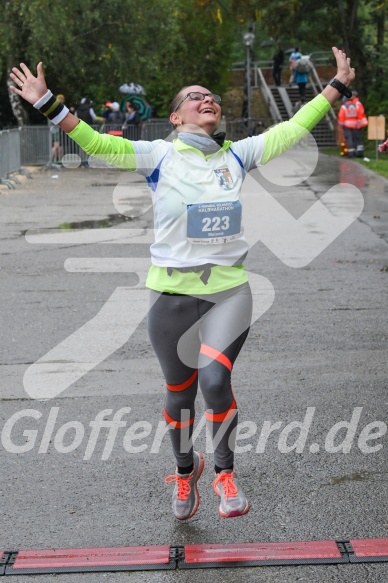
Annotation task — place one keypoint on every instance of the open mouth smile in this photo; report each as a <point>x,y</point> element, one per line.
<point>208,110</point>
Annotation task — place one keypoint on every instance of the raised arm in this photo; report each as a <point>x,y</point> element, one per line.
<point>34,90</point>
<point>283,136</point>
<point>140,156</point>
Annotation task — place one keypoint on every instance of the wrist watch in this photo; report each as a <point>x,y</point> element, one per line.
<point>340,87</point>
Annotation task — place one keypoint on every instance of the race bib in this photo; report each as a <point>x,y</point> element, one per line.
<point>213,222</point>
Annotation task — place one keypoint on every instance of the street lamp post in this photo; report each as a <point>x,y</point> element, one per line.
<point>249,37</point>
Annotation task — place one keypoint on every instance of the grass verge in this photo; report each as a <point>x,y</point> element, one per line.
<point>379,165</point>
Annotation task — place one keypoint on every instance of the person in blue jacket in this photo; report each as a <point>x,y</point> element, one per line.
<point>301,79</point>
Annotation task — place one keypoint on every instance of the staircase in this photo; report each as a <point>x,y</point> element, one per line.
<point>286,97</point>
<point>281,100</point>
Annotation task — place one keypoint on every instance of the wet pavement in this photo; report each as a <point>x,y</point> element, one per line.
<point>72,267</point>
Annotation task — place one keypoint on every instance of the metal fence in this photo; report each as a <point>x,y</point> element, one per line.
<point>45,145</point>
<point>240,128</point>
<point>10,161</point>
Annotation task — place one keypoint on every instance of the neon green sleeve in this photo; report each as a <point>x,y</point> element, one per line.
<point>283,136</point>
<point>114,150</point>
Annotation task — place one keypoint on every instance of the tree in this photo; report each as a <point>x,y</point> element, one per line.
<point>92,48</point>
<point>357,26</point>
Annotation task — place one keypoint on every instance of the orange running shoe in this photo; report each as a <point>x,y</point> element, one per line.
<point>233,500</point>
<point>185,498</point>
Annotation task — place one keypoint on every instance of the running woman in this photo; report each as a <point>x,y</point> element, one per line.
<point>200,299</point>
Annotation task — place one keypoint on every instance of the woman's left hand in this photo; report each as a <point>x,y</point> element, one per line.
<point>345,73</point>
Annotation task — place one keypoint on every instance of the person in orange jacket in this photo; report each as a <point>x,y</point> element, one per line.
<point>352,118</point>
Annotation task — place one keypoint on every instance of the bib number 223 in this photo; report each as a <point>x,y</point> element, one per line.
<point>213,223</point>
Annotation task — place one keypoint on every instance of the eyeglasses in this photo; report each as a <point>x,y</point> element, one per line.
<point>197,96</point>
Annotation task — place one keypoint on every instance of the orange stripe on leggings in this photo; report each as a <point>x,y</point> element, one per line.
<point>177,424</point>
<point>184,385</point>
<point>220,417</point>
<point>216,355</point>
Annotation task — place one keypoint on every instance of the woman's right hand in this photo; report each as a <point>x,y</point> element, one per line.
<point>27,86</point>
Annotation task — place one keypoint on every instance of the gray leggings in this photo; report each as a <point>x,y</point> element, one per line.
<point>198,339</point>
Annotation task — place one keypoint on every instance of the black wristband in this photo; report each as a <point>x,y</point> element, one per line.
<point>51,107</point>
<point>341,87</point>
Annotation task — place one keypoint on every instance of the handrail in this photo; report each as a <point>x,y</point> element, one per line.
<point>272,106</point>
<point>318,57</point>
<point>269,98</point>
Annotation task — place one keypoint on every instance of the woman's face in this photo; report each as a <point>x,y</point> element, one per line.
<point>205,114</point>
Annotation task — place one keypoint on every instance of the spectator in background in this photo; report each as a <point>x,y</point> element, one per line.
<point>131,126</point>
<point>107,110</point>
<point>86,112</point>
<point>57,137</point>
<point>115,116</point>
<point>294,56</point>
<point>351,117</point>
<point>278,61</point>
<point>383,148</point>
<point>301,78</point>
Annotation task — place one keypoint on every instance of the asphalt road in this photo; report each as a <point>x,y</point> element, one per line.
<point>74,344</point>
